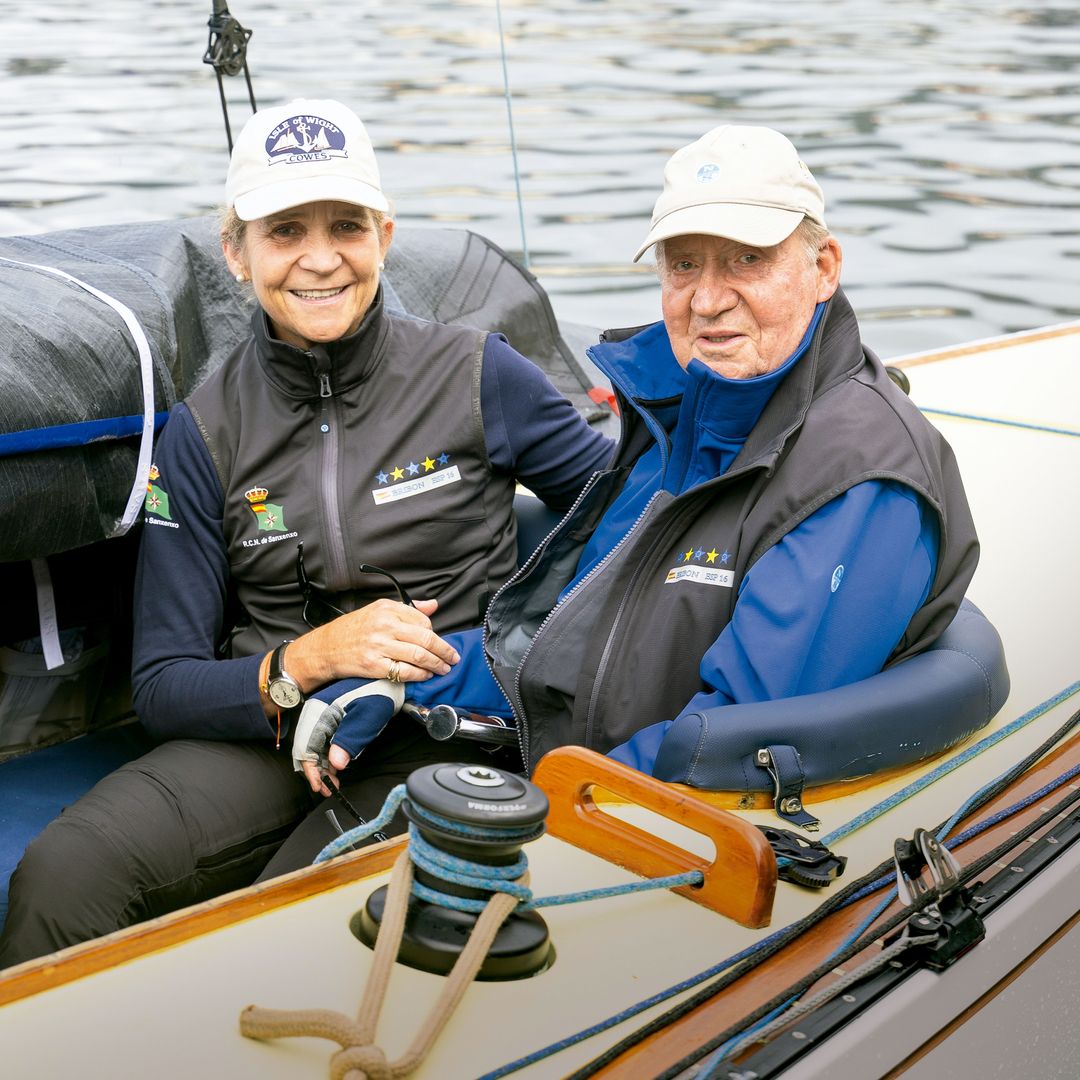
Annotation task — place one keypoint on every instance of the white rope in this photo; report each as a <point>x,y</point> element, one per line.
<point>146,366</point>
<point>48,627</point>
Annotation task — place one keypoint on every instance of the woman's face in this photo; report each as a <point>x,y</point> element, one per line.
<point>315,268</point>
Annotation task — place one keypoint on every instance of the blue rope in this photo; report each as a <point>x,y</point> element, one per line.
<point>960,838</point>
<point>481,876</point>
<point>1001,420</point>
<point>962,812</point>
<point>717,1056</point>
<point>1016,807</point>
<point>630,1011</point>
<point>948,766</point>
<point>346,841</point>
<point>708,1067</point>
<point>875,886</point>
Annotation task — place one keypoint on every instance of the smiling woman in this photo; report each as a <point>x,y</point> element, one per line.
<point>314,268</point>
<point>338,430</point>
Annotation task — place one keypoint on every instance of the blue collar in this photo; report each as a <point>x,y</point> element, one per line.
<point>644,368</point>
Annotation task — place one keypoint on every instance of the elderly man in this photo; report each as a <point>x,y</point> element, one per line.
<point>779,519</point>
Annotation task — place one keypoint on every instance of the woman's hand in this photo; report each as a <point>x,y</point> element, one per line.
<point>382,640</point>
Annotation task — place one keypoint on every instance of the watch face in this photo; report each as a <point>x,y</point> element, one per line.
<point>284,693</point>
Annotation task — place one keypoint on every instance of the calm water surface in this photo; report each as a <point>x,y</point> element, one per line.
<point>944,132</point>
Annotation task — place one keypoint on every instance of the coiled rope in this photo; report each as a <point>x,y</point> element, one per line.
<point>360,1058</point>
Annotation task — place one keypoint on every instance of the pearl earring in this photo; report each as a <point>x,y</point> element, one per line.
<point>382,266</point>
<point>241,278</point>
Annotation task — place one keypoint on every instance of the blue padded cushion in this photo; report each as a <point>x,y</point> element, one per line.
<point>34,788</point>
<point>534,521</point>
<point>896,718</point>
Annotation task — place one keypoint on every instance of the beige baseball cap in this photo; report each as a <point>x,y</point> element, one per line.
<point>306,151</point>
<point>742,183</point>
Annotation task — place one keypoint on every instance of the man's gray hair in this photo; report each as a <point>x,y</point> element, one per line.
<point>809,233</point>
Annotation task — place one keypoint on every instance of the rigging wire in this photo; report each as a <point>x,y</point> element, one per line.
<point>513,139</point>
<point>226,50</point>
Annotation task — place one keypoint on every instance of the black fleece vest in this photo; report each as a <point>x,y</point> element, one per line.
<point>369,450</point>
<point>624,650</point>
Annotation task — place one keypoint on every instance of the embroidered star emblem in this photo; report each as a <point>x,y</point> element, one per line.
<point>688,555</point>
<point>699,554</point>
<point>429,464</point>
<point>383,478</point>
<point>710,556</point>
<point>413,468</point>
<point>444,458</point>
<point>725,557</point>
<point>155,502</point>
<point>397,474</point>
<point>271,518</point>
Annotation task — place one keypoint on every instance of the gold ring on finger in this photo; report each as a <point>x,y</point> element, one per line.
<point>394,672</point>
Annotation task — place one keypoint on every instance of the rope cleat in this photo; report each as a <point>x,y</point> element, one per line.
<point>801,861</point>
<point>951,916</point>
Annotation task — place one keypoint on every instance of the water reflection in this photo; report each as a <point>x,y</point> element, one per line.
<point>944,132</point>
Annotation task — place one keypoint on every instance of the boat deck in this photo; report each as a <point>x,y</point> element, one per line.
<point>170,992</point>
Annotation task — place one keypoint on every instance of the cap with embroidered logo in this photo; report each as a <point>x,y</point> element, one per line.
<point>742,183</point>
<point>309,150</point>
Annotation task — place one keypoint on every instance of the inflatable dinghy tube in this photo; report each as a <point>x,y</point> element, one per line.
<point>891,720</point>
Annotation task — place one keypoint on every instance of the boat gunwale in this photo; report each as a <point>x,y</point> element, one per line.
<point>1001,341</point>
<point>134,942</point>
<point>662,1048</point>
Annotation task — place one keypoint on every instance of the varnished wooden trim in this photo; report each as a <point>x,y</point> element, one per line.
<point>659,1051</point>
<point>763,800</point>
<point>982,1002</point>
<point>740,879</point>
<point>90,957</point>
<point>1024,337</point>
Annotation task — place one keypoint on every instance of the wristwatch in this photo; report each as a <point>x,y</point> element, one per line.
<point>282,689</point>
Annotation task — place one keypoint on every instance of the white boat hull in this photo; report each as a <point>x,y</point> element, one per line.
<point>164,999</point>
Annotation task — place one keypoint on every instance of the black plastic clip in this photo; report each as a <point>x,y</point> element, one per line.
<point>952,918</point>
<point>809,862</point>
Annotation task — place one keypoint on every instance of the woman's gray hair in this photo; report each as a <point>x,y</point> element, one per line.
<point>233,229</point>
<point>809,233</point>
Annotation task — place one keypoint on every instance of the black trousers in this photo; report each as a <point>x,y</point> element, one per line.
<point>189,821</point>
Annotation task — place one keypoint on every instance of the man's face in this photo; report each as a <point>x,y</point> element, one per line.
<point>742,310</point>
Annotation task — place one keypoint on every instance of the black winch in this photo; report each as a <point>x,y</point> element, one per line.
<point>483,815</point>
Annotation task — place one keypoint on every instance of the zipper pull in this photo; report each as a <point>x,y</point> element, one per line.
<point>324,385</point>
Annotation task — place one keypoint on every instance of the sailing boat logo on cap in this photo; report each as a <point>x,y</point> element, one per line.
<point>305,138</point>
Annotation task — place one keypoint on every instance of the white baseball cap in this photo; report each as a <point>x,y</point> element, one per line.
<point>741,183</point>
<point>306,151</point>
